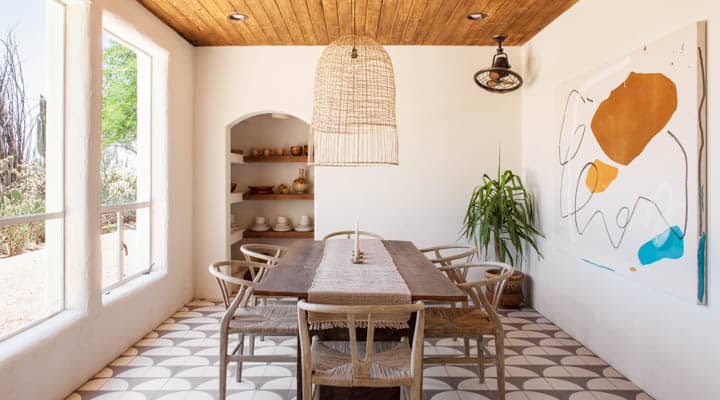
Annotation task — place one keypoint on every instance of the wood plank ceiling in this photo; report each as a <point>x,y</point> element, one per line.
<point>318,22</point>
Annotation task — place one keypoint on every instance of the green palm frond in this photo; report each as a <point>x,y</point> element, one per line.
<point>502,211</point>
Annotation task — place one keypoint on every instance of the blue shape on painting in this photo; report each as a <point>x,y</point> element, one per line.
<point>668,244</point>
<point>701,269</point>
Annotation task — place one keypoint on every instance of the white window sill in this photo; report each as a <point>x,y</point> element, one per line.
<point>133,285</point>
<point>47,330</point>
<point>39,333</point>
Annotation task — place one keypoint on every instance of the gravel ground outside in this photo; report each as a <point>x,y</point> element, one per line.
<point>22,283</point>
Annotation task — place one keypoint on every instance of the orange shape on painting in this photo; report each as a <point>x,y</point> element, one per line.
<point>600,176</point>
<point>633,114</point>
<point>633,269</point>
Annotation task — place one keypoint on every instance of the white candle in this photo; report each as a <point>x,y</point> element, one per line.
<point>357,241</point>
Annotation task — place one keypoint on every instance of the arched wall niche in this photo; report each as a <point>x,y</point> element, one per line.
<point>273,130</point>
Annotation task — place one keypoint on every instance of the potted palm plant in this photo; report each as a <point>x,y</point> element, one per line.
<point>502,212</point>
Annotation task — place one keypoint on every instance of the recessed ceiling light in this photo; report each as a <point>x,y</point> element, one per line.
<point>237,17</point>
<point>476,16</point>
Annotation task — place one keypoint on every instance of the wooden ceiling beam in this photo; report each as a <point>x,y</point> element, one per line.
<point>318,22</point>
<point>317,16</point>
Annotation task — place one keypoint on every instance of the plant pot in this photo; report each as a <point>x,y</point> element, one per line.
<point>512,295</point>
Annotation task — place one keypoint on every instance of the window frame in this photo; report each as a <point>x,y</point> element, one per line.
<point>58,88</point>
<point>42,217</point>
<point>119,209</point>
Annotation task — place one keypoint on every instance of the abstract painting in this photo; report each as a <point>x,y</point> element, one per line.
<point>632,157</point>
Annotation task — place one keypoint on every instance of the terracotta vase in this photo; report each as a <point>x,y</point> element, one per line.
<point>300,184</point>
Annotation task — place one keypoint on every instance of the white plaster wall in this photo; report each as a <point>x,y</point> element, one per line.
<point>52,359</point>
<point>450,130</point>
<point>667,346</point>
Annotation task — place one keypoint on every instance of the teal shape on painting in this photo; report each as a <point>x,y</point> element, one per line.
<point>701,269</point>
<point>668,244</point>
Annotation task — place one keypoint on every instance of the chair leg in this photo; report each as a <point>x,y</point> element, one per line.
<point>264,303</point>
<point>307,389</point>
<point>241,351</point>
<point>466,342</point>
<point>416,390</point>
<point>481,363</point>
<point>452,305</point>
<point>500,362</point>
<point>223,365</point>
<point>404,393</point>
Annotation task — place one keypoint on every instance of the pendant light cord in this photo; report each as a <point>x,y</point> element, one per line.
<point>353,53</point>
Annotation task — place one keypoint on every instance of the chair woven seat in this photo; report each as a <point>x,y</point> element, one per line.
<point>390,366</point>
<point>457,322</point>
<point>270,320</point>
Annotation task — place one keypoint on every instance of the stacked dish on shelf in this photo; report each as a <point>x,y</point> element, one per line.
<point>304,225</point>
<point>283,225</point>
<point>260,225</point>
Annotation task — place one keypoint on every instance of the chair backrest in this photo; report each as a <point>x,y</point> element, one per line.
<point>477,289</point>
<point>361,316</point>
<point>226,280</point>
<point>350,234</point>
<point>446,254</point>
<point>261,253</point>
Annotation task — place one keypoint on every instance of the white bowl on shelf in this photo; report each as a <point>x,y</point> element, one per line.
<point>259,228</point>
<point>304,228</point>
<point>282,228</point>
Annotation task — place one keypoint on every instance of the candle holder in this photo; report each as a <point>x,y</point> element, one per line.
<point>358,258</point>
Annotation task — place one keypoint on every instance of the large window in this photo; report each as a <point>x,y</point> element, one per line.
<point>31,163</point>
<point>125,169</point>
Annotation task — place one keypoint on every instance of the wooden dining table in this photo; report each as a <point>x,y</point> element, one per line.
<point>294,274</point>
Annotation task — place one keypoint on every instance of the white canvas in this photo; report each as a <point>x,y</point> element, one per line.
<point>648,222</point>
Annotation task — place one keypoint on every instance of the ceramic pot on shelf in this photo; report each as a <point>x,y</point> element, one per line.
<point>300,184</point>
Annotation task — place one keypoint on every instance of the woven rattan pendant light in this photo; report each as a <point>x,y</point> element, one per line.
<point>354,105</point>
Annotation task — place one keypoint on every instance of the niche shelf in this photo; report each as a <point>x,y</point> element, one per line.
<point>236,197</point>
<point>276,159</point>
<point>274,234</point>
<point>277,196</point>
<point>236,235</point>
<point>235,158</point>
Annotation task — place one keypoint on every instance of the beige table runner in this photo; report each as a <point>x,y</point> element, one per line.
<point>339,281</point>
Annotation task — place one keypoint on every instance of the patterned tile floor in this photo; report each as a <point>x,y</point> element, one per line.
<point>178,361</point>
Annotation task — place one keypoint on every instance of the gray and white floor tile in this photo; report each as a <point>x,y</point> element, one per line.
<point>178,361</point>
